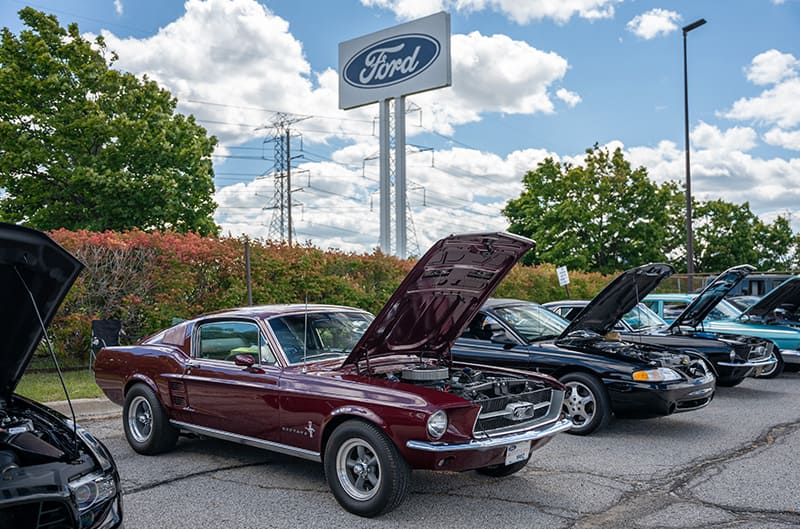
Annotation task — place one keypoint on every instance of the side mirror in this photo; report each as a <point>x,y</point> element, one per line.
<point>499,334</point>
<point>243,360</point>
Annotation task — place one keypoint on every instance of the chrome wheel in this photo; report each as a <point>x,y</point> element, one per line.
<point>358,469</point>
<point>579,403</point>
<point>140,419</point>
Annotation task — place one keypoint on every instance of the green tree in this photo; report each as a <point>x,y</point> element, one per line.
<point>85,146</point>
<point>724,235</point>
<point>776,244</point>
<point>603,216</point>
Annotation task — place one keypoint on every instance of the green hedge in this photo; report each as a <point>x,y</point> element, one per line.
<point>147,279</point>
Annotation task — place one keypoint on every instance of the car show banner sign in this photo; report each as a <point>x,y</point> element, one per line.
<point>401,60</point>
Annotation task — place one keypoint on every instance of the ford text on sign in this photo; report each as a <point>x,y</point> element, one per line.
<point>404,59</point>
<point>391,61</point>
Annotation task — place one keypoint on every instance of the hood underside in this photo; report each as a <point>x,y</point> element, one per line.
<point>784,296</point>
<point>31,265</point>
<point>618,297</point>
<point>440,295</point>
<point>694,314</point>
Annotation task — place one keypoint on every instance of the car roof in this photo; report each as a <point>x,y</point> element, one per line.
<point>268,311</point>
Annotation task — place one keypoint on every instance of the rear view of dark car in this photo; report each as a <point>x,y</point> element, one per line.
<point>53,473</point>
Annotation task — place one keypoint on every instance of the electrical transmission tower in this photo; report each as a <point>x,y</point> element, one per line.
<point>280,227</point>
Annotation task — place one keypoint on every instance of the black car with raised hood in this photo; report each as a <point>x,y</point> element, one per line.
<point>53,473</point>
<point>696,319</point>
<point>603,373</point>
<point>732,358</point>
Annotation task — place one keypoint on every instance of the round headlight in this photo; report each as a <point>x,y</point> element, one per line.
<point>437,424</point>
<point>85,494</point>
<point>662,374</point>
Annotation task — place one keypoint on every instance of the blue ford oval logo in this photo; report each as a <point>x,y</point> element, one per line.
<point>391,61</point>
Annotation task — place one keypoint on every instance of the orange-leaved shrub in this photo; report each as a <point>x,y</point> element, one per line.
<point>146,280</point>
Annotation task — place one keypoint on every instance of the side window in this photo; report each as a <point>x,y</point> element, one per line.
<point>225,340</point>
<point>672,309</point>
<point>478,328</point>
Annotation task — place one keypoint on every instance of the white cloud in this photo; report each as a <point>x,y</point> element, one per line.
<point>721,168</point>
<point>493,74</point>
<point>490,74</point>
<point>519,11</point>
<point>570,98</point>
<point>772,67</point>
<point>777,105</point>
<point>705,136</point>
<point>654,23</point>
<point>464,190</point>
<point>118,6</point>
<point>782,138</point>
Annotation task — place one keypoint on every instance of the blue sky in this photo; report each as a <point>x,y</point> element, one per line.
<point>531,79</point>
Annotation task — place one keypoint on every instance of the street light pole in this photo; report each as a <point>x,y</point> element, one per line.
<point>689,243</point>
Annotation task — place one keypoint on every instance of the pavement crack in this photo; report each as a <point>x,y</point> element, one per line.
<point>184,477</point>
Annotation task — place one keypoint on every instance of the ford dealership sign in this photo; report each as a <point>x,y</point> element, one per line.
<point>405,59</point>
<point>391,61</point>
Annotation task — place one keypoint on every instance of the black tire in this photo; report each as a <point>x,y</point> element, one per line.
<point>146,424</point>
<point>729,382</point>
<point>355,451</point>
<point>586,402</point>
<point>777,368</point>
<point>501,471</point>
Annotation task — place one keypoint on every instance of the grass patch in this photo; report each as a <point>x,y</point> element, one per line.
<point>45,387</point>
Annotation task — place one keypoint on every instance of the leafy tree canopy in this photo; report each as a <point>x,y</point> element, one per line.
<point>602,216</point>
<point>605,216</point>
<point>84,146</point>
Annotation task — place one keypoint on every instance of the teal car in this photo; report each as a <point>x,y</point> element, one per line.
<point>769,319</point>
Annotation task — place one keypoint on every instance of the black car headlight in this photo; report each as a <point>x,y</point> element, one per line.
<point>90,491</point>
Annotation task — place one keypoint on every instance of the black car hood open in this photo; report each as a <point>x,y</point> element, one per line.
<point>786,296</point>
<point>28,257</point>
<point>440,296</point>
<point>618,297</point>
<point>694,314</point>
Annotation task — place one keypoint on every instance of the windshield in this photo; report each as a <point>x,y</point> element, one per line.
<point>723,311</point>
<point>640,317</point>
<point>532,322</point>
<point>328,335</point>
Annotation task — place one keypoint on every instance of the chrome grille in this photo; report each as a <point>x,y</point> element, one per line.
<point>494,416</point>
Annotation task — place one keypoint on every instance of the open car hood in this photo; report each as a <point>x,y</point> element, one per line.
<point>784,296</point>
<point>618,297</point>
<point>440,296</point>
<point>694,314</point>
<point>28,257</point>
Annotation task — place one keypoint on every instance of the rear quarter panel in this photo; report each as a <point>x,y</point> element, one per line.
<point>116,368</point>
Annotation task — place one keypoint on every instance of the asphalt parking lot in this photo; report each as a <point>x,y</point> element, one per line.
<point>734,464</point>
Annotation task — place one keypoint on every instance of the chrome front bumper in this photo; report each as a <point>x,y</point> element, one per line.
<point>488,443</point>
<point>759,363</point>
<point>791,356</point>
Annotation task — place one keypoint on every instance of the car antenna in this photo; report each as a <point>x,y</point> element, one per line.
<point>305,334</point>
<point>53,356</point>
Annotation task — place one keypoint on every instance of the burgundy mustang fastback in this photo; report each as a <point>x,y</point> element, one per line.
<point>371,398</point>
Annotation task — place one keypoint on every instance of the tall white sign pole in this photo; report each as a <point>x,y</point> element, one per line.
<point>384,183</point>
<point>400,174</point>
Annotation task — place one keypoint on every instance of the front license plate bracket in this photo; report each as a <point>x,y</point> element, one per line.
<point>517,452</point>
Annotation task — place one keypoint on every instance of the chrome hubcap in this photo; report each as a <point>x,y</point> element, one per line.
<point>579,403</point>
<point>358,469</point>
<point>140,419</point>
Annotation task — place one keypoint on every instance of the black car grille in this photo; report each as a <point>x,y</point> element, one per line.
<point>38,515</point>
<point>492,418</point>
